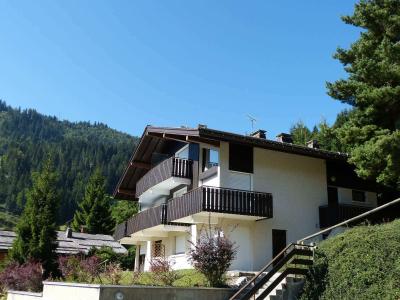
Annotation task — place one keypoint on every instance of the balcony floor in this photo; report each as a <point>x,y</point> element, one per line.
<point>204,216</point>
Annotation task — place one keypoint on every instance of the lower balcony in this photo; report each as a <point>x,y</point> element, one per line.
<point>182,211</point>
<point>232,203</point>
<point>330,215</point>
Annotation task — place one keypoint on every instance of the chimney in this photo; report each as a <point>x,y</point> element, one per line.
<point>261,134</point>
<point>312,144</point>
<point>68,233</point>
<point>284,138</point>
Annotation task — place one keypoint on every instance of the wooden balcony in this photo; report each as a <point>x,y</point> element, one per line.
<point>330,215</point>
<point>220,200</point>
<point>120,231</point>
<point>148,218</point>
<point>171,167</point>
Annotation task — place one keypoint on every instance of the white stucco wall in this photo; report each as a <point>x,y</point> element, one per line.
<point>298,187</point>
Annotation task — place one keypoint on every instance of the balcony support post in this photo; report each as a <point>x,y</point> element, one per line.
<point>137,253</point>
<point>148,256</point>
<point>193,235</point>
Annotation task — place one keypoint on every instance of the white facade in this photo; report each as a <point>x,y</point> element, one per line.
<point>298,185</point>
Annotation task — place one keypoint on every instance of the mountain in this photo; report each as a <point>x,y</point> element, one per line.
<point>27,138</point>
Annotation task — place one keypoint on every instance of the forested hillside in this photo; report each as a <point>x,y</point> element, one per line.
<point>28,137</point>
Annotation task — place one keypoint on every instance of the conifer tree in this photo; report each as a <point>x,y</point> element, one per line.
<point>36,229</point>
<point>371,131</point>
<point>94,211</point>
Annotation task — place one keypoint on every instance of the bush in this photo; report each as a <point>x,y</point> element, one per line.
<point>361,263</point>
<point>107,254</point>
<point>113,273</point>
<point>162,271</point>
<point>25,277</point>
<point>212,256</point>
<point>79,269</point>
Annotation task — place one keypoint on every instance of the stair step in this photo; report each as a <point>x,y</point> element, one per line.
<point>302,261</point>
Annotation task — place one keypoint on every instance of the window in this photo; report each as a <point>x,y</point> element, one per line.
<point>180,244</point>
<point>183,153</point>
<point>210,158</point>
<point>240,158</point>
<point>158,250</point>
<point>358,196</point>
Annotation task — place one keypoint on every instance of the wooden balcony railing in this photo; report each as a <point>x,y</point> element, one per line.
<point>120,231</point>
<point>204,198</point>
<point>220,200</point>
<point>171,167</point>
<point>330,215</point>
<point>148,218</point>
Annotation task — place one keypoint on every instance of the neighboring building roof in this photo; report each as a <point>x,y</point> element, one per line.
<point>155,139</point>
<point>78,243</point>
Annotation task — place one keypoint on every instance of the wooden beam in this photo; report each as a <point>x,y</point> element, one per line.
<point>141,165</point>
<point>127,192</point>
<point>194,139</point>
<point>175,137</point>
<point>155,134</point>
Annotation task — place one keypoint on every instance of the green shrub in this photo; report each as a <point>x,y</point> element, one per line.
<point>361,263</point>
<point>107,254</point>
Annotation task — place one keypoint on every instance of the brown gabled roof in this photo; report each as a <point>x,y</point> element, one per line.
<point>154,139</point>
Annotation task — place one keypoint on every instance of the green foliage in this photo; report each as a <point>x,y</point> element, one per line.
<point>94,211</point>
<point>122,210</point>
<point>371,131</point>
<point>106,254</point>
<point>36,229</point>
<point>361,263</point>
<point>300,133</point>
<point>26,138</point>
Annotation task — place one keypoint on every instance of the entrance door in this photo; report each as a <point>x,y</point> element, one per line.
<point>332,196</point>
<point>278,241</point>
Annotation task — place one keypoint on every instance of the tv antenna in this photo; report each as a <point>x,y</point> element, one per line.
<point>252,120</point>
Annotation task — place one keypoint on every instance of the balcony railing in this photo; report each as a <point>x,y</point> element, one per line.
<point>220,200</point>
<point>330,215</point>
<point>120,231</point>
<point>171,167</point>
<point>148,218</point>
<point>204,198</point>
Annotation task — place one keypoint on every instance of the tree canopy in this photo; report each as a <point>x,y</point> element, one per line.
<point>371,130</point>
<point>36,229</point>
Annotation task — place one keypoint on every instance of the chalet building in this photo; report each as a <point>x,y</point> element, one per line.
<point>263,194</point>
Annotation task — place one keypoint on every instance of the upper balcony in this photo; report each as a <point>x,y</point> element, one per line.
<point>239,204</point>
<point>330,215</point>
<point>166,175</point>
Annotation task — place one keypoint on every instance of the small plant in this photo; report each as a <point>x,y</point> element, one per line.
<point>162,271</point>
<point>25,277</point>
<point>69,267</point>
<point>91,267</point>
<point>212,255</point>
<point>113,272</point>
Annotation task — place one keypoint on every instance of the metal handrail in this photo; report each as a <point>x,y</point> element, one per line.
<point>349,220</point>
<point>276,258</point>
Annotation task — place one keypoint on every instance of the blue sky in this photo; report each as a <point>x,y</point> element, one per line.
<point>172,63</point>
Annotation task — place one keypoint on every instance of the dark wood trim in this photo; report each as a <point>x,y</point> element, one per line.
<point>330,215</point>
<point>127,192</point>
<point>141,165</point>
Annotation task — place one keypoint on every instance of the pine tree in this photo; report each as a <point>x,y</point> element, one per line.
<point>371,131</point>
<point>94,211</point>
<point>36,229</point>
